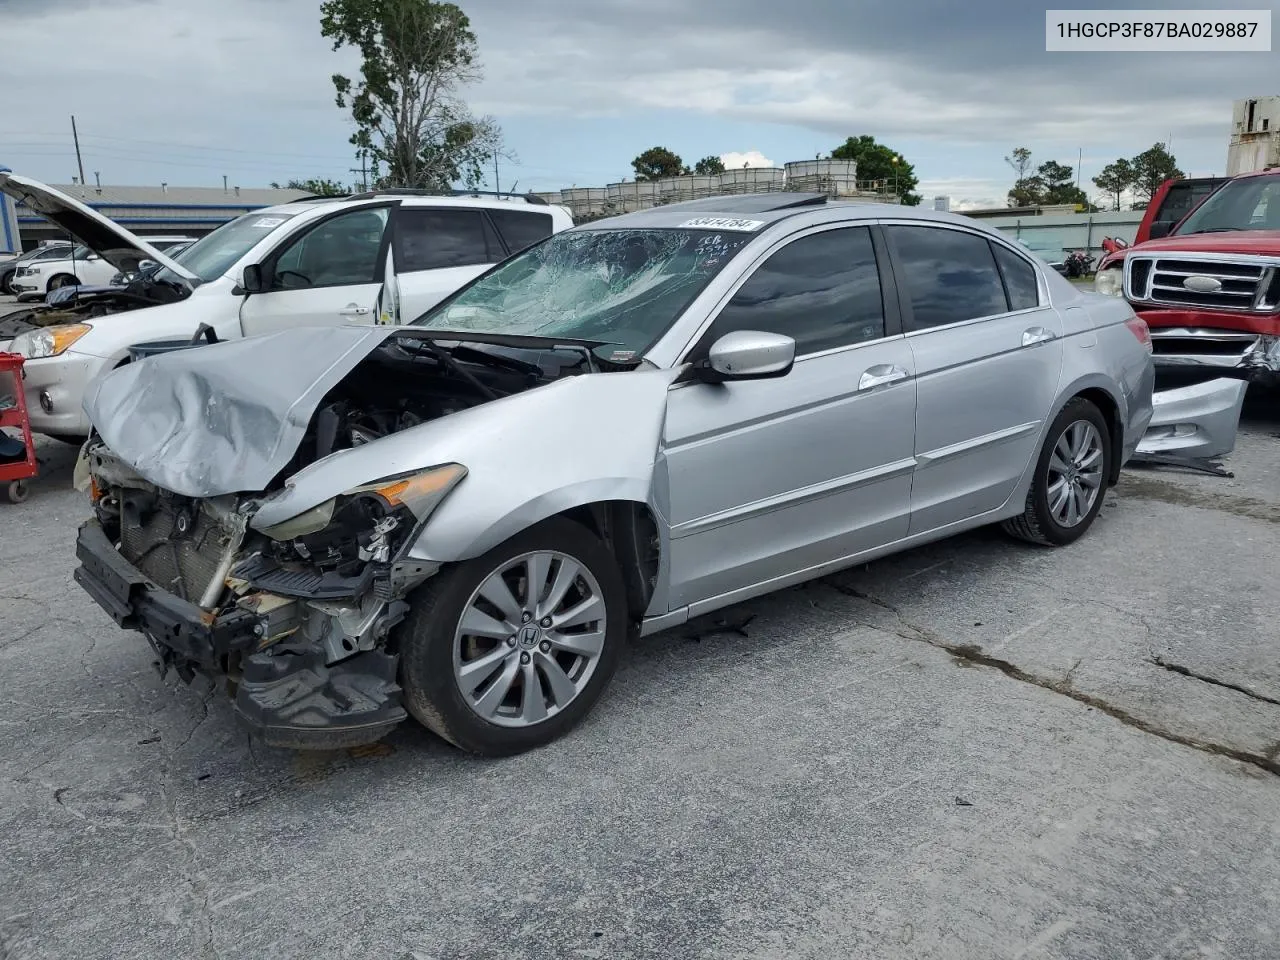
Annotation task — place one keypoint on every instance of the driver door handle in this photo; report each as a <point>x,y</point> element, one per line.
<point>352,310</point>
<point>881,374</point>
<point>1033,335</point>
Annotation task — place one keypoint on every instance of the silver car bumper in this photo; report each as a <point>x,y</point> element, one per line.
<point>1196,421</point>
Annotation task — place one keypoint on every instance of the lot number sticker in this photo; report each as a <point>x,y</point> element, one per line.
<point>723,223</point>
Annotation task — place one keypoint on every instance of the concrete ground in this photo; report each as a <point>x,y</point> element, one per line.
<point>976,749</point>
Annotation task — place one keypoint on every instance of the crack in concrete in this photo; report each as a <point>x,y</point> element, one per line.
<point>1213,681</point>
<point>972,654</point>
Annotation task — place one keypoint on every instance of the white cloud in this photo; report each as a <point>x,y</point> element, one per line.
<point>752,158</point>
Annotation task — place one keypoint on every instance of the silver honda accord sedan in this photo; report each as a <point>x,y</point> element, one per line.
<point>632,423</point>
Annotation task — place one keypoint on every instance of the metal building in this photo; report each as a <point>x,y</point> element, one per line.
<point>156,210</point>
<point>1255,135</point>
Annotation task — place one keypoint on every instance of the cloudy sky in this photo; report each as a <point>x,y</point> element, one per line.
<point>187,91</point>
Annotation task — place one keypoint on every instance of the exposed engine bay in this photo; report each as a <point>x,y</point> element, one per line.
<point>93,302</point>
<point>295,619</point>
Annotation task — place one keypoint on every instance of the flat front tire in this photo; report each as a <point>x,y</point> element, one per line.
<point>508,651</point>
<point>1070,478</point>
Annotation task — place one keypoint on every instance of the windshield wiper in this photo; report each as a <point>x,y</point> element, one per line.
<point>446,360</point>
<point>1216,230</point>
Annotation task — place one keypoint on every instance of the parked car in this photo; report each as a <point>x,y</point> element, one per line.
<point>373,257</point>
<point>1209,286</point>
<point>54,250</point>
<point>630,424</point>
<point>119,284</point>
<point>79,266</point>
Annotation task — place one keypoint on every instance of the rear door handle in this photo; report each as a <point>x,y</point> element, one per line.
<point>351,310</point>
<point>881,374</point>
<point>1034,335</point>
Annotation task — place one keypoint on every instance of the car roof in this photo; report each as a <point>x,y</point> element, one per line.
<point>772,208</point>
<point>414,200</point>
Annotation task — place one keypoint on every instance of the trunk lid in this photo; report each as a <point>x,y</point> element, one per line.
<point>109,240</point>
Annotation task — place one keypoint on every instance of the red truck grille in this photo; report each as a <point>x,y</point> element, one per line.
<point>1208,283</point>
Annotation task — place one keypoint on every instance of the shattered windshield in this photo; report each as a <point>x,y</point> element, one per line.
<point>213,255</point>
<point>1250,203</point>
<point>616,286</point>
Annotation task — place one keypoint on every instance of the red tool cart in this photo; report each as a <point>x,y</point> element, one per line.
<point>17,454</point>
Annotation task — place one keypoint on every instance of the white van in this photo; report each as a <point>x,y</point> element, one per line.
<point>370,258</point>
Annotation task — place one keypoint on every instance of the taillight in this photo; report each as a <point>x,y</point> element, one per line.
<point>1138,327</point>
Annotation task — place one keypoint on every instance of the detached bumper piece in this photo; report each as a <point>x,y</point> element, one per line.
<point>295,701</point>
<point>1198,421</point>
<point>287,697</point>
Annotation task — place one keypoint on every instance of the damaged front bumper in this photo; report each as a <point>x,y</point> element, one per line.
<point>1230,353</point>
<point>288,694</point>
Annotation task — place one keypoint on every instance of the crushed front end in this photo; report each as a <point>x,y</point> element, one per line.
<point>294,622</point>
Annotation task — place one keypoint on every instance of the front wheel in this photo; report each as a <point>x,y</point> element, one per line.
<point>62,280</point>
<point>1070,479</point>
<point>508,651</point>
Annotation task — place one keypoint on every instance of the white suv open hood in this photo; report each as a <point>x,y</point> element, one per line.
<point>112,242</point>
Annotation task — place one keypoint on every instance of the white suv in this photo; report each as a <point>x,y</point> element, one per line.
<point>370,258</point>
<point>80,266</point>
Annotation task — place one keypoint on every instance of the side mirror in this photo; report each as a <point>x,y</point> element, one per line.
<point>147,265</point>
<point>747,355</point>
<point>252,281</point>
<point>1160,228</point>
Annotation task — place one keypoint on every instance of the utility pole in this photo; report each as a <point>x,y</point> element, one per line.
<point>224,183</point>
<point>76,137</point>
<point>496,188</point>
<point>363,170</point>
<point>1079,163</point>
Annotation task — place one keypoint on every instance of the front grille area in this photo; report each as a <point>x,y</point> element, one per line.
<point>173,542</point>
<point>1240,285</point>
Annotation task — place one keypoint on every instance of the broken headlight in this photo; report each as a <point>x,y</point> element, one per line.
<point>372,504</point>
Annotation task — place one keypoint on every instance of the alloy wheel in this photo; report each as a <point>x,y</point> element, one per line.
<point>529,638</point>
<point>1075,473</point>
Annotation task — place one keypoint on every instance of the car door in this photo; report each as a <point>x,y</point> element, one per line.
<point>987,348</point>
<point>764,478</point>
<point>328,273</point>
<point>437,249</point>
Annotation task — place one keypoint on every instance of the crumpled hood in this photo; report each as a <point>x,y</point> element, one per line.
<point>226,417</point>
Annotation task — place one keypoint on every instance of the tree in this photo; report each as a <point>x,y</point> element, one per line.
<point>657,163</point>
<point>1115,178</point>
<point>709,165</point>
<point>318,188</point>
<point>1027,191</point>
<point>877,162</point>
<point>1151,168</point>
<point>415,56</point>
<point>1057,183</point>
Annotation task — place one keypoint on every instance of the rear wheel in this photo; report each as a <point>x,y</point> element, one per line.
<point>508,651</point>
<point>6,283</point>
<point>1070,479</point>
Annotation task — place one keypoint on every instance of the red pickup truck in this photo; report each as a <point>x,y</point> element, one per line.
<point>1204,273</point>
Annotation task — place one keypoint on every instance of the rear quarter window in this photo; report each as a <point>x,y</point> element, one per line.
<point>521,228</point>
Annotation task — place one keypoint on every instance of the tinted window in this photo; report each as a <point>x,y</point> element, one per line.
<point>822,290</point>
<point>339,251</point>
<point>949,275</point>
<point>431,239</point>
<point>1019,279</point>
<point>520,228</point>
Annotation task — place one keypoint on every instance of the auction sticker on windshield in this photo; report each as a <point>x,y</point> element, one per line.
<point>723,223</point>
<point>266,223</point>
